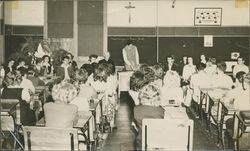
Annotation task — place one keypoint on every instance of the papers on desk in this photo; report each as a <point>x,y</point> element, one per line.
<point>175,113</point>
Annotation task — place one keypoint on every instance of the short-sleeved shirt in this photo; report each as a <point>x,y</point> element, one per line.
<point>60,115</point>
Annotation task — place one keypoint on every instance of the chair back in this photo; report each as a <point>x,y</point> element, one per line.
<point>10,114</point>
<point>46,138</point>
<point>167,134</point>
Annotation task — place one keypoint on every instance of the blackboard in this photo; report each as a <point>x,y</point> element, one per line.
<point>147,48</point>
<point>179,47</point>
<point>193,46</point>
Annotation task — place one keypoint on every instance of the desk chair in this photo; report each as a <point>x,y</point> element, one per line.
<point>46,138</point>
<point>217,119</point>
<point>38,100</point>
<point>167,134</point>
<point>10,120</point>
<point>243,126</point>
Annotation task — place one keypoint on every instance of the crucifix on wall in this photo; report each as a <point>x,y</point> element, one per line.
<point>129,7</point>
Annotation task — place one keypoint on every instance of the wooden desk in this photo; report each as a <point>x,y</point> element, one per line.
<point>48,79</point>
<point>124,81</point>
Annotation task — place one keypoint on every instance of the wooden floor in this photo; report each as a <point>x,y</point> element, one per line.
<point>123,138</point>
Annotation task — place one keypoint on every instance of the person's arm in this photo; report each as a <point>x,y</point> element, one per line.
<point>32,88</point>
<point>235,70</point>
<point>26,95</point>
<point>125,57</point>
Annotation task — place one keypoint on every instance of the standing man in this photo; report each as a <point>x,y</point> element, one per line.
<point>130,56</point>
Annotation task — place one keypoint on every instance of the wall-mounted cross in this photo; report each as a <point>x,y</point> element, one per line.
<point>129,7</point>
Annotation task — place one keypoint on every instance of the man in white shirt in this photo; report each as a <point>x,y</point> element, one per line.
<point>188,69</point>
<point>198,81</point>
<point>130,56</point>
<point>239,97</point>
<point>26,83</point>
<point>240,67</point>
<point>221,80</point>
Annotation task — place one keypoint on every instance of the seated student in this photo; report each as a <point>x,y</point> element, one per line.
<point>38,68</point>
<point>149,107</point>
<point>112,78</point>
<point>238,98</point>
<point>9,67</point>
<point>26,83</point>
<point>72,62</point>
<point>108,60</point>
<point>86,92</point>
<point>29,60</point>
<point>21,63</point>
<point>198,81</point>
<point>211,66</point>
<point>203,58</point>
<point>113,85</point>
<point>93,59</point>
<point>88,67</point>
<point>140,78</point>
<point>170,65</point>
<point>182,63</point>
<point>34,79</point>
<point>103,83</point>
<point>188,70</point>
<point>47,66</point>
<point>60,113</point>
<point>171,90</point>
<point>239,77</point>
<point>221,80</point>
<point>12,90</point>
<point>158,74</point>
<point>136,83</point>
<point>240,67</point>
<point>65,71</point>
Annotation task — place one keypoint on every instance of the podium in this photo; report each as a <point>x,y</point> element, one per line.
<point>124,81</point>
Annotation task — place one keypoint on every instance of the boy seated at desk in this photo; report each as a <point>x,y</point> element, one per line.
<point>85,92</point>
<point>34,79</point>
<point>239,99</point>
<point>221,82</point>
<point>171,92</point>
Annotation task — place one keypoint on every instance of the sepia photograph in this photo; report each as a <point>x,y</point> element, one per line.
<point>124,75</point>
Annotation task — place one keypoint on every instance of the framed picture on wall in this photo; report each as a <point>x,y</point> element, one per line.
<point>207,16</point>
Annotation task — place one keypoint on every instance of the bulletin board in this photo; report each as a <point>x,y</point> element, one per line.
<point>207,16</point>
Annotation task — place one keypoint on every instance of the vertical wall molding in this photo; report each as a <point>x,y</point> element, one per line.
<point>105,26</point>
<point>2,35</point>
<point>75,29</point>
<point>45,27</point>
